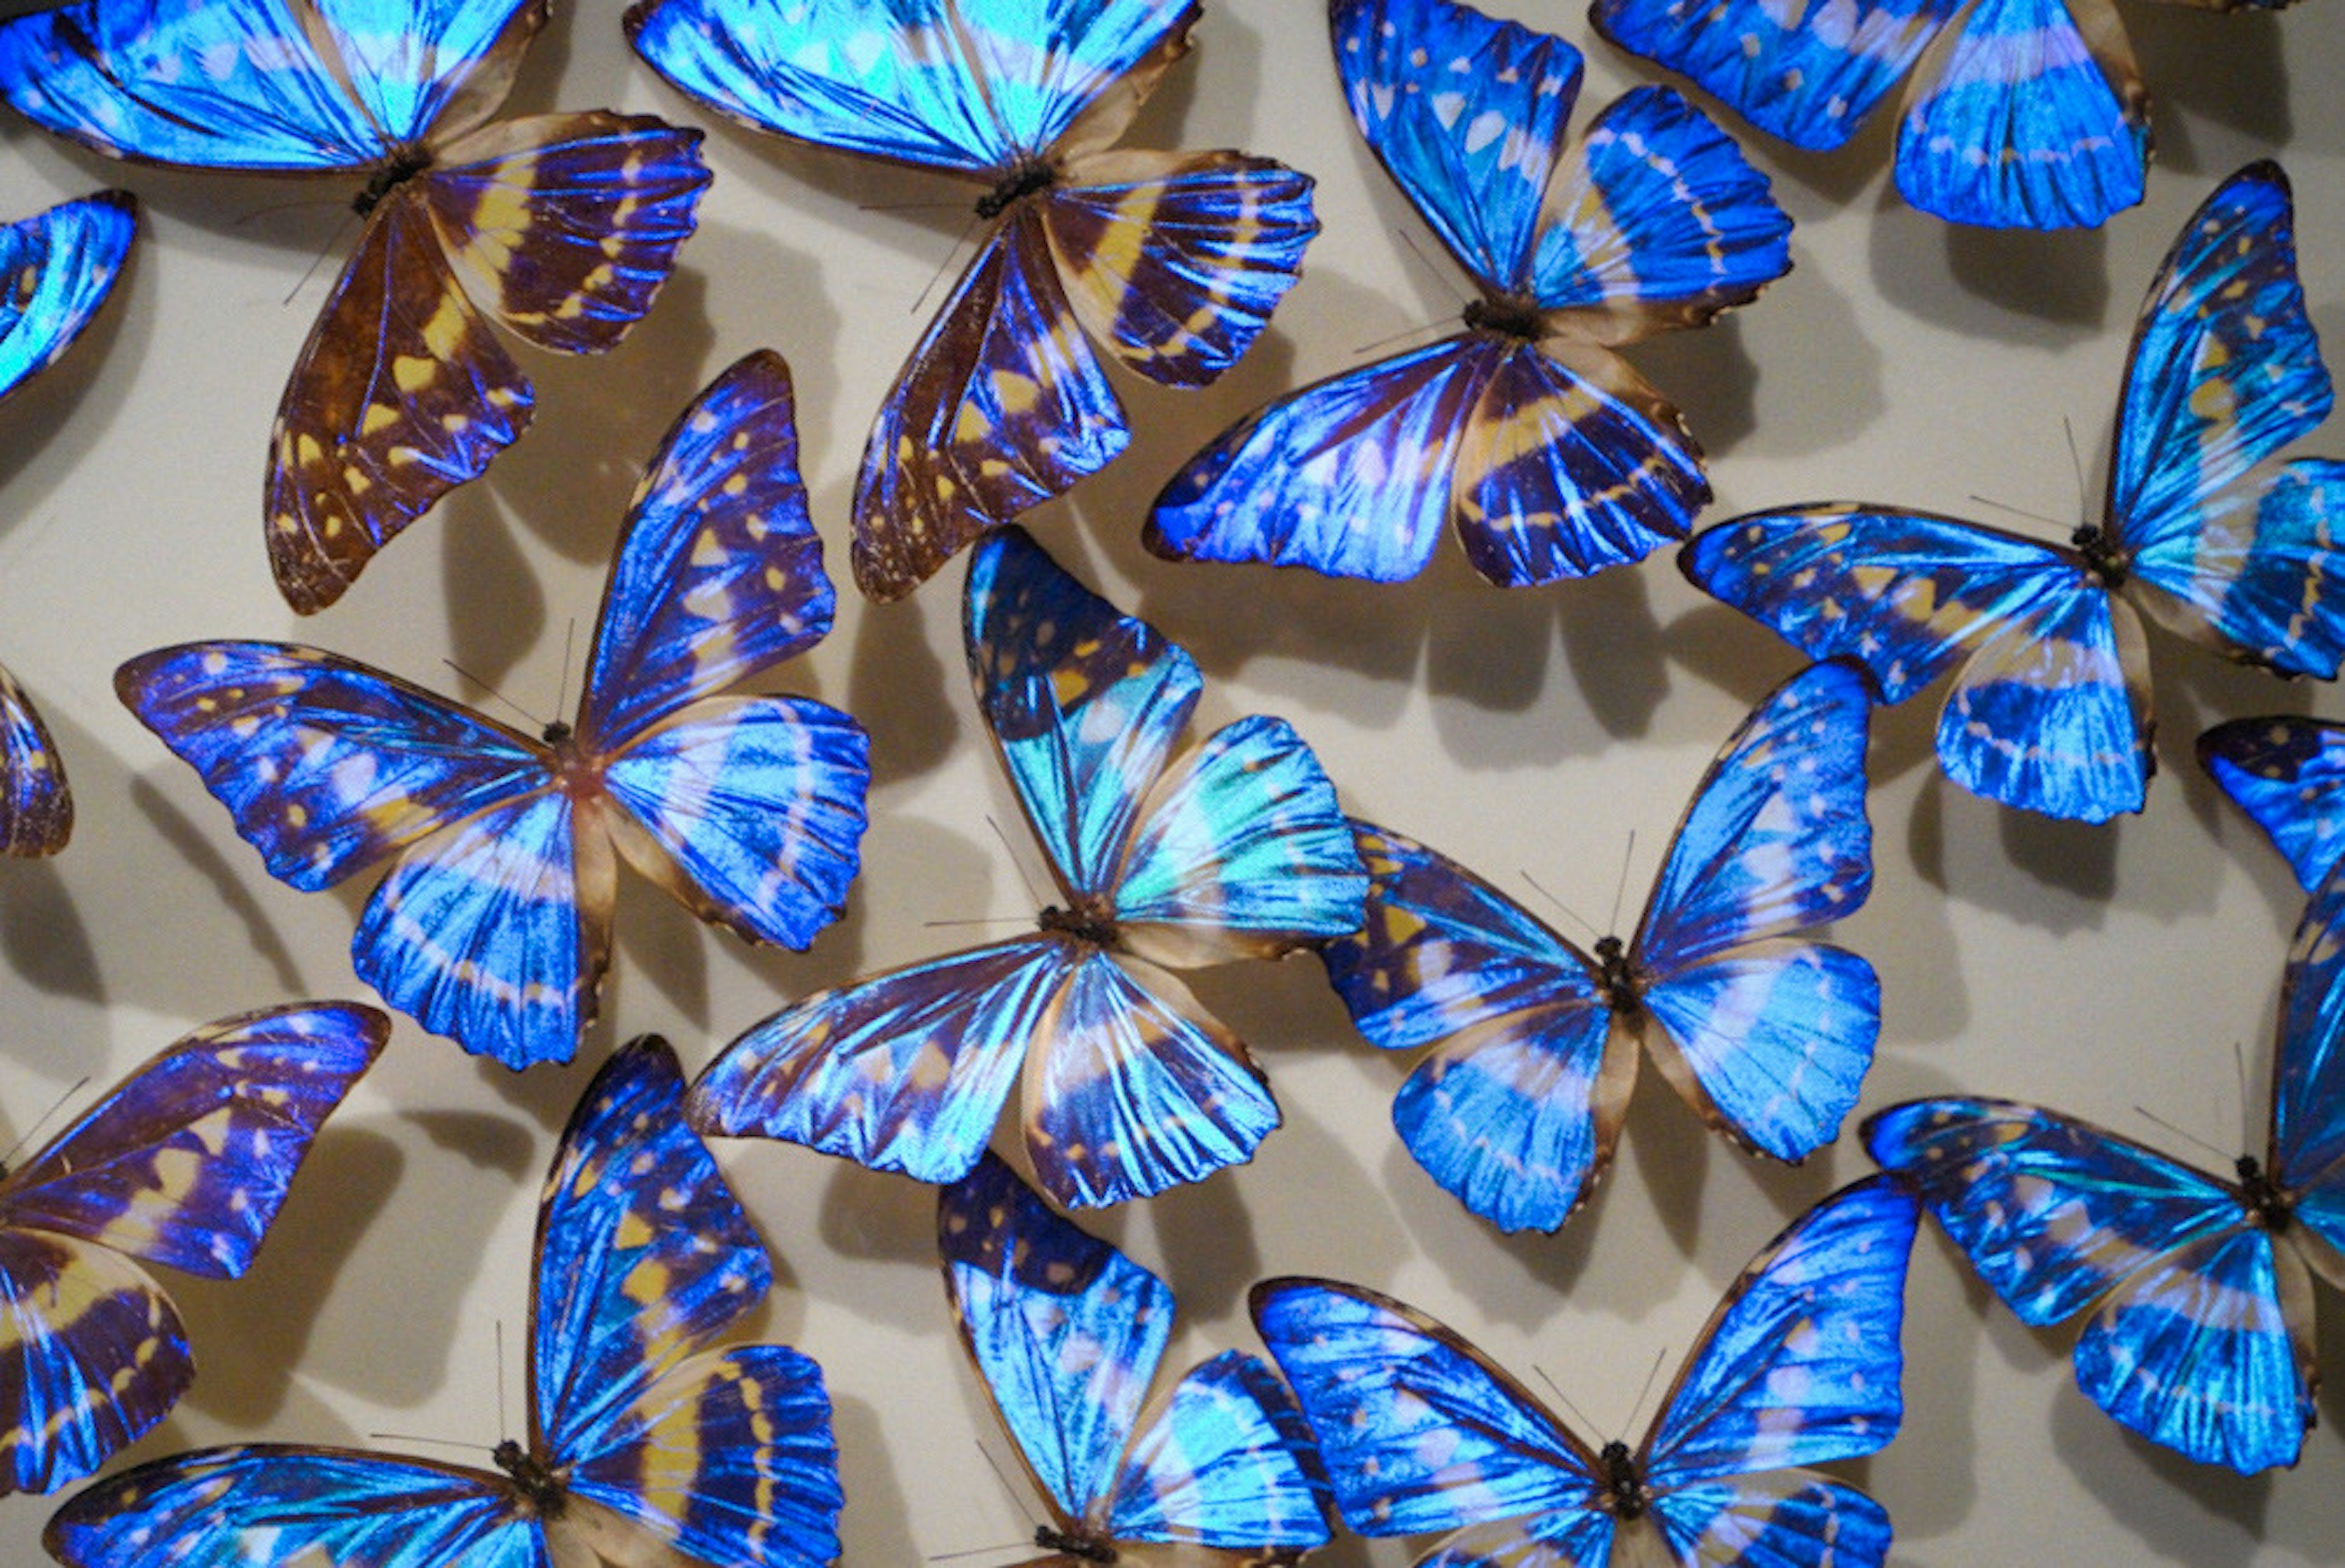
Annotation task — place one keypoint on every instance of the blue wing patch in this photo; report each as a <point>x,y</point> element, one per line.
<point>36,804</point>
<point>57,268</point>
<point>2286,772</point>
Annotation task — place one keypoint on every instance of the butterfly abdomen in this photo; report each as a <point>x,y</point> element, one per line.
<point>402,165</point>
<point>2272,1206</point>
<point>2105,555</point>
<point>1079,1545</point>
<point>544,1489</point>
<point>1626,1495</point>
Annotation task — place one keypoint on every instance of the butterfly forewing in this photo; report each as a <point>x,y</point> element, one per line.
<point>36,807</point>
<point>421,70</point>
<point>1223,1461</point>
<point>2308,1112</point>
<point>2288,773</point>
<point>57,268</point>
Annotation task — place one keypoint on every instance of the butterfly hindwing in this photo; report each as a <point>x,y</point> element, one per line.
<point>2287,773</point>
<point>57,268</point>
<point>36,806</point>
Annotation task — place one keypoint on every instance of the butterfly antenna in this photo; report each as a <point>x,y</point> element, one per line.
<point>8,1160</point>
<point>435,1442</point>
<point>979,920</point>
<point>958,240</point>
<point>2076,463</point>
<point>1564,1398</point>
<point>2018,510</point>
<point>938,205</point>
<point>274,207</point>
<point>504,1421</point>
<point>1447,282</point>
<point>344,228</point>
<point>1650,1374</point>
<point>2240,1064</point>
<point>1366,349</point>
<point>569,645</point>
<point>1568,912</point>
<point>1017,1498</point>
<point>2193,1139</point>
<point>977,1551</point>
<point>1011,850</point>
<point>1620,888</point>
<point>527,716</point>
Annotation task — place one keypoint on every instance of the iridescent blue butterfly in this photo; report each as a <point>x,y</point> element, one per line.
<point>748,810</point>
<point>1172,261</point>
<point>2198,1289</point>
<point>2029,114</point>
<point>186,1163</point>
<point>645,1446</point>
<point>57,268</point>
<point>2050,710</point>
<point>1800,1365</point>
<point>1167,853</point>
<point>1068,1333</point>
<point>1548,454</point>
<point>564,228</point>
<point>2288,773</point>
<point>1533,1043</point>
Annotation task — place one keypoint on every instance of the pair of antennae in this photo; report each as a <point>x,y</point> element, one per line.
<point>1620,893</point>
<point>560,691</point>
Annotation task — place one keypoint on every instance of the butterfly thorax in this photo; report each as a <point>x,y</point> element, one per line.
<point>1626,1495</point>
<point>2107,560</point>
<point>1616,977</point>
<point>2270,1204</point>
<point>1095,926</point>
<point>1024,181</point>
<point>1508,316</point>
<point>1083,1544</point>
<point>404,166</point>
<point>544,1488</point>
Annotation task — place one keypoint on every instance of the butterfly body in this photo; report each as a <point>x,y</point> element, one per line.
<point>496,931</point>
<point>2200,532</point>
<point>1530,1045</point>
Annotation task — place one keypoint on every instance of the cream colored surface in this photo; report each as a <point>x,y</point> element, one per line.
<point>2096,970</point>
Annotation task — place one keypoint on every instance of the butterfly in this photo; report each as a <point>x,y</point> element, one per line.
<point>2196,1290</point>
<point>36,811</point>
<point>1171,261</point>
<point>1167,853</point>
<point>1531,1043</point>
<point>2027,114</point>
<point>1068,1334</point>
<point>1550,455</point>
<point>57,268</point>
<point>746,809</point>
<point>562,226</point>
<point>1798,1365</point>
<point>2050,709</point>
<point>2285,771</point>
<point>186,1163</point>
<point>645,1446</point>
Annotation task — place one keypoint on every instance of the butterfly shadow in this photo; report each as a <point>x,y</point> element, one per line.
<point>163,977</point>
<point>2207,1514</point>
<point>2016,287</point>
<point>870,1216</point>
<point>53,423</point>
<point>897,687</point>
<point>250,1333</point>
<point>876,1526</point>
<point>2209,121</point>
<point>1791,375</point>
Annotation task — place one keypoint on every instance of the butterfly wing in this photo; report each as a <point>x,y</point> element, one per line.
<point>1810,74</point>
<point>644,1257</point>
<point>186,1162</point>
<point>1519,1106</point>
<point>271,1503</point>
<point>1222,1461</point>
<point>2308,1122</point>
<point>749,809</point>
<point>36,807</point>
<point>1418,1430</point>
<point>59,265</point>
<point>2026,119</point>
<point>2188,1344</point>
<point>2226,370</point>
<point>2285,771</point>
<point>2051,710</point>
<point>1766,1033</point>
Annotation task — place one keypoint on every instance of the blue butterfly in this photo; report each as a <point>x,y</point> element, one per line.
<point>1551,456</point>
<point>1533,1043</point>
<point>1068,1334</point>
<point>2197,1289</point>
<point>2288,773</point>
<point>1800,1365</point>
<point>2031,114</point>
<point>1168,852</point>
<point>496,931</point>
<point>2050,710</point>
<point>644,1445</point>
<point>185,1162</point>
<point>563,227</point>
<point>1172,261</point>
<point>57,268</point>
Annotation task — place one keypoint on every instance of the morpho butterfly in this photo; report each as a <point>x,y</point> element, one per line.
<point>2199,1289</point>
<point>748,809</point>
<point>2050,708</point>
<point>2029,114</point>
<point>562,226</point>
<point>1551,456</point>
<point>1172,261</point>
<point>1798,1365</point>
<point>2286,772</point>
<point>1068,1333</point>
<point>185,1163</point>
<point>1167,851</point>
<point>57,268</point>
<point>640,1451</point>
<point>1533,1043</point>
